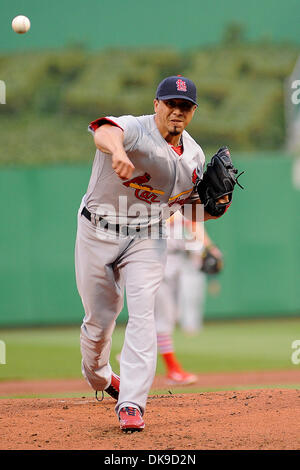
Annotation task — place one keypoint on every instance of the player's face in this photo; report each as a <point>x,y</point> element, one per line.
<point>173,115</point>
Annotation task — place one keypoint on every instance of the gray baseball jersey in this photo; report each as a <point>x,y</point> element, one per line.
<point>161,177</point>
<point>106,264</point>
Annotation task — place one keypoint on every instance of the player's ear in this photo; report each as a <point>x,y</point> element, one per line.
<point>155,102</point>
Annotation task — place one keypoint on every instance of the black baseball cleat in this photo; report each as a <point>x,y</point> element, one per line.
<point>130,420</point>
<point>113,388</point>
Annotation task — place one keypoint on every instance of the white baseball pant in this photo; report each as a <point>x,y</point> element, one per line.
<point>104,266</point>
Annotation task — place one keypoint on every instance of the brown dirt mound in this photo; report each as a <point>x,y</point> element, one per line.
<point>260,419</point>
<point>256,419</point>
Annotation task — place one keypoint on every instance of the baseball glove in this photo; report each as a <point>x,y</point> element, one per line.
<point>218,181</point>
<point>211,263</point>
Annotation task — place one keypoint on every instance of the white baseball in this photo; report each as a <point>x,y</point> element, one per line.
<point>20,24</point>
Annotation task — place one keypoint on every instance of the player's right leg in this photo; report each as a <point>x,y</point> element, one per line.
<point>101,292</point>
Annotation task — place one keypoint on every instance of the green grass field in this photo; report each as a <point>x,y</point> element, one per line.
<point>43,353</point>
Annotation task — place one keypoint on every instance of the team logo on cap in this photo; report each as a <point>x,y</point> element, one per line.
<point>181,85</point>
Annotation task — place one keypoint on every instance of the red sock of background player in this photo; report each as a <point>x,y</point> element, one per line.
<point>166,349</point>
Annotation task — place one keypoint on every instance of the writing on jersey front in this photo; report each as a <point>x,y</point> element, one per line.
<point>145,192</point>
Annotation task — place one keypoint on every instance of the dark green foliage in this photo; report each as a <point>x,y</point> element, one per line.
<point>240,94</point>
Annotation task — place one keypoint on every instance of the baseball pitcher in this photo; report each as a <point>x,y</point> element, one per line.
<point>145,168</point>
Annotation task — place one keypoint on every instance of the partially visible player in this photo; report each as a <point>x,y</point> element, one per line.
<point>180,298</point>
<point>192,288</point>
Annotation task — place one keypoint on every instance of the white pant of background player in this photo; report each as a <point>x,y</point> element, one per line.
<point>180,297</point>
<point>104,266</point>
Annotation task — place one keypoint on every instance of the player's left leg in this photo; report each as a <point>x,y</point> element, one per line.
<point>142,266</point>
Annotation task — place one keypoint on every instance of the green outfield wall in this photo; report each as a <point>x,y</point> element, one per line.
<point>259,237</point>
<point>96,24</point>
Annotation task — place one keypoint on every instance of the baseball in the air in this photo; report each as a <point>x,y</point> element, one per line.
<point>20,24</point>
